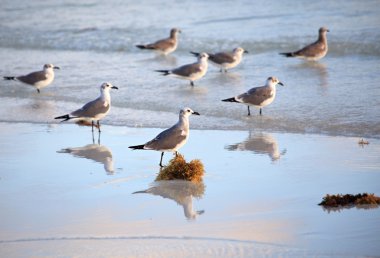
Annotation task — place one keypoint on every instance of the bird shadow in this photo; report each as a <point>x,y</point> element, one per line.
<point>95,152</point>
<point>180,191</point>
<point>259,143</point>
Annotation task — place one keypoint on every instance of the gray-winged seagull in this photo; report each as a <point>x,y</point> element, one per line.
<point>191,72</point>
<point>39,79</point>
<point>94,110</point>
<point>171,139</point>
<point>314,51</point>
<point>226,60</point>
<point>165,46</point>
<point>259,96</point>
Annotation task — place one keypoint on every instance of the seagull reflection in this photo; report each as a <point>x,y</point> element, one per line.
<point>260,143</point>
<point>319,69</point>
<point>96,152</point>
<point>180,191</point>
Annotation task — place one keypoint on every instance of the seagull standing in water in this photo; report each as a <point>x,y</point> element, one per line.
<point>258,97</point>
<point>172,139</point>
<point>94,110</point>
<point>191,72</point>
<point>226,60</point>
<point>164,46</point>
<point>39,79</point>
<point>314,51</point>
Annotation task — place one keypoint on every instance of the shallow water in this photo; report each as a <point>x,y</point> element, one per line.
<point>93,42</point>
<point>259,195</point>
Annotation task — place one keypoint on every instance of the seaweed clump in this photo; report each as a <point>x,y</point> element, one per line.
<point>338,200</point>
<point>178,168</point>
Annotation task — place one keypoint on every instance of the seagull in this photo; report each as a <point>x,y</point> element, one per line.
<point>314,51</point>
<point>259,96</point>
<point>93,110</point>
<point>165,46</point>
<point>191,72</point>
<point>171,139</point>
<point>225,60</point>
<point>39,79</point>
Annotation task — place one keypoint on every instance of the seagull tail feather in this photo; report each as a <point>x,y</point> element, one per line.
<point>9,78</point>
<point>137,147</point>
<point>230,100</point>
<point>164,72</point>
<point>289,54</point>
<point>64,117</point>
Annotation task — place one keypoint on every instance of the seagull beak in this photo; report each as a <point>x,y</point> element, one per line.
<point>196,113</point>
<point>114,87</point>
<point>280,83</point>
<point>56,67</point>
<point>245,51</point>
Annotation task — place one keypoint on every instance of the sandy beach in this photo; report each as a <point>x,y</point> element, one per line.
<point>64,196</point>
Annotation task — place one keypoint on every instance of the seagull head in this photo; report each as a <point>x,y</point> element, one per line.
<point>323,30</point>
<point>273,81</point>
<point>174,32</point>
<point>203,56</point>
<point>50,66</point>
<point>187,112</point>
<point>107,86</point>
<point>240,51</point>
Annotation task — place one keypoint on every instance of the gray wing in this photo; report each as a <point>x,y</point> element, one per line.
<point>32,78</point>
<point>256,96</point>
<point>311,50</point>
<point>92,109</point>
<point>161,44</point>
<point>167,139</point>
<point>187,70</point>
<point>221,58</point>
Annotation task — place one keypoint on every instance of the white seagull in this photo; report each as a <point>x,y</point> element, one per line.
<point>94,110</point>
<point>165,46</point>
<point>314,51</point>
<point>226,60</point>
<point>258,97</point>
<point>39,79</point>
<point>191,72</point>
<point>172,139</point>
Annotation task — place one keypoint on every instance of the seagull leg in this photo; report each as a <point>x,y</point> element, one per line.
<point>162,154</point>
<point>249,111</point>
<point>261,112</point>
<point>98,126</point>
<point>38,90</point>
<point>176,153</point>
<point>192,83</point>
<point>92,126</point>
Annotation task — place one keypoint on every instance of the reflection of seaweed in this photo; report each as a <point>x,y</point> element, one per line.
<point>347,201</point>
<point>178,168</point>
<point>181,192</point>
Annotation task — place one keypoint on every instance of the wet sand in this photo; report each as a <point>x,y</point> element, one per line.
<point>65,196</point>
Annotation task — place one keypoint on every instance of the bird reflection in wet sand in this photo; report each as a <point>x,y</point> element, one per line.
<point>259,143</point>
<point>96,152</point>
<point>180,191</point>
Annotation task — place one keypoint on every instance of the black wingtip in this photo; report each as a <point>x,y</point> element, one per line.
<point>137,147</point>
<point>164,72</point>
<point>9,78</point>
<point>194,53</point>
<point>229,100</point>
<point>287,54</point>
<point>65,117</point>
<point>141,46</point>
